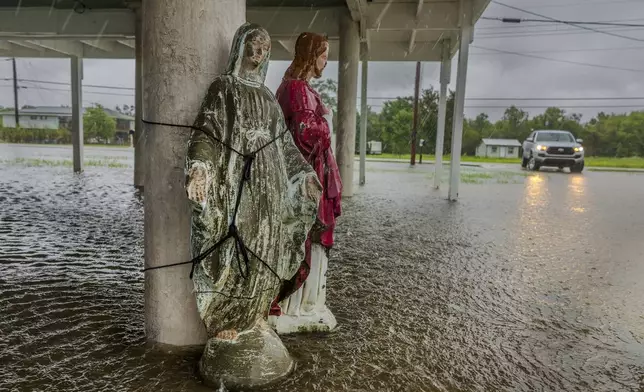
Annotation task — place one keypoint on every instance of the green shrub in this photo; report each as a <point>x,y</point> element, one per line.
<point>28,135</point>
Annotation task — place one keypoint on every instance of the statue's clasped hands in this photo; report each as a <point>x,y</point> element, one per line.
<point>312,188</point>
<point>197,186</point>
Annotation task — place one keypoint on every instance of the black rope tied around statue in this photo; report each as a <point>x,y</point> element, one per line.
<point>233,232</point>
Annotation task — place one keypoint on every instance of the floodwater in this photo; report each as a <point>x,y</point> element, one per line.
<point>528,283</point>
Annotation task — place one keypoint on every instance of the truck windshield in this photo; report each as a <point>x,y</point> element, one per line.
<point>554,137</point>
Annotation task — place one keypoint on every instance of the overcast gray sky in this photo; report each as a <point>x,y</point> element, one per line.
<point>491,74</point>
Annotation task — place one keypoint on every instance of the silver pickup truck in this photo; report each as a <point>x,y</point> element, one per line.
<point>553,148</point>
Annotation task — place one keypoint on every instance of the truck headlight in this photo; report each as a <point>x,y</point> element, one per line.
<point>579,149</point>
<point>541,148</point>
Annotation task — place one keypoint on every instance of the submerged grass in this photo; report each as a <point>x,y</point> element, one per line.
<point>492,177</point>
<point>475,177</point>
<point>108,157</point>
<point>41,162</point>
<point>500,177</point>
<point>59,145</point>
<point>625,163</point>
<point>469,176</point>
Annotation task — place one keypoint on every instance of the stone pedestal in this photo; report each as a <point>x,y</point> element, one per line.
<point>257,357</point>
<point>306,310</point>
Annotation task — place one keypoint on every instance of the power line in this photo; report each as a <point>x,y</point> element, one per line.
<point>558,60</point>
<point>531,99</point>
<point>542,29</point>
<point>558,99</point>
<point>569,50</point>
<point>530,35</point>
<point>568,23</point>
<point>398,97</point>
<point>586,3</point>
<point>513,24</point>
<point>558,106</point>
<point>519,26</point>
<point>67,91</point>
<point>69,84</point>
<point>84,92</point>
<point>548,33</point>
<point>546,106</point>
<point>392,98</point>
<point>29,66</point>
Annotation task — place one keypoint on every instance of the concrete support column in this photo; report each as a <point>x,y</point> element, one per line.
<point>347,100</point>
<point>459,99</point>
<point>185,44</point>
<point>77,113</point>
<point>446,68</point>
<point>139,137</point>
<point>364,117</point>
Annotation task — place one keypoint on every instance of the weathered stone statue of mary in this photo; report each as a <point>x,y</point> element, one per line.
<point>254,200</point>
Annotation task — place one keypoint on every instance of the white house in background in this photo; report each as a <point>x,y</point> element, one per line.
<point>498,148</point>
<point>54,117</point>
<point>374,147</point>
<point>35,118</point>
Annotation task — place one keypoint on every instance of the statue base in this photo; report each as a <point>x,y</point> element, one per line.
<point>320,320</point>
<point>306,310</point>
<point>257,357</point>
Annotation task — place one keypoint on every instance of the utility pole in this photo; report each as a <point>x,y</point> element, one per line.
<point>15,93</point>
<point>415,127</point>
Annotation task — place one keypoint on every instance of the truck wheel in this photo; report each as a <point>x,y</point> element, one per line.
<point>577,168</point>
<point>532,164</point>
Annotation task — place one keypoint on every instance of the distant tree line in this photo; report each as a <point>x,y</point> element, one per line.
<point>608,135</point>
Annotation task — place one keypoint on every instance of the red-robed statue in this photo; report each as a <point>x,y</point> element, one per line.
<point>310,124</point>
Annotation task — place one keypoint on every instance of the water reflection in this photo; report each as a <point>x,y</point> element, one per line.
<point>536,191</point>
<point>576,194</point>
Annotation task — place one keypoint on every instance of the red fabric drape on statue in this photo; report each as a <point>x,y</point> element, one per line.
<point>303,111</point>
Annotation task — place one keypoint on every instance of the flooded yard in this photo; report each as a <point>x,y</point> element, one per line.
<point>531,282</point>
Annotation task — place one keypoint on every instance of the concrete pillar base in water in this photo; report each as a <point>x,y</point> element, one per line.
<point>306,310</point>
<point>257,357</point>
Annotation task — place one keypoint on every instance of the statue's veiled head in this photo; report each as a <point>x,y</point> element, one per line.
<point>250,53</point>
<point>311,53</point>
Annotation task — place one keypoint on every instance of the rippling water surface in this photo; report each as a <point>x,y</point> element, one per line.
<point>529,285</point>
